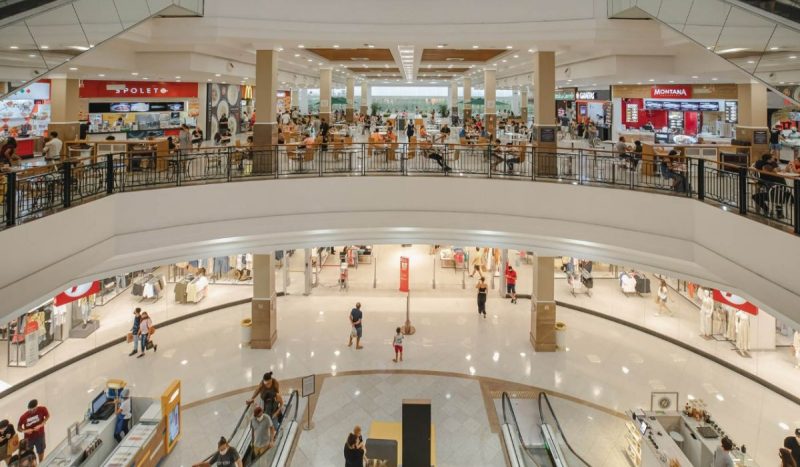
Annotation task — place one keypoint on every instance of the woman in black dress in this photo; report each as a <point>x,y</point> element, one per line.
<point>483,290</point>
<point>354,449</point>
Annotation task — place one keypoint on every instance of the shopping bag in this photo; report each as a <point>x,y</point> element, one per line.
<point>149,345</point>
<point>13,444</point>
<point>129,337</point>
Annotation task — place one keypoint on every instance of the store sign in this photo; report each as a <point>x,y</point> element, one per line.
<point>404,274</point>
<point>735,301</point>
<point>565,95</point>
<point>587,95</point>
<point>35,91</point>
<point>76,293</point>
<point>117,89</point>
<point>671,92</point>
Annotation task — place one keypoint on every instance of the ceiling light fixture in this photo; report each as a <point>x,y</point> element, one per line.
<point>73,69</point>
<point>730,51</point>
<point>13,47</point>
<point>32,55</point>
<point>370,46</point>
<point>651,80</point>
<point>296,55</point>
<point>134,74</point>
<point>101,75</point>
<point>217,75</point>
<point>476,46</point>
<point>335,46</point>
<point>714,79</point>
<point>509,47</point>
<point>177,77</point>
<point>301,46</point>
<point>44,47</point>
<point>695,77</point>
<point>774,48</point>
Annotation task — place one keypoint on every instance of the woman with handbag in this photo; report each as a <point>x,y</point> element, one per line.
<point>9,440</point>
<point>146,331</point>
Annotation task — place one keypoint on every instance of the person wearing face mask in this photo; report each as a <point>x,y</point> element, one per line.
<point>226,456</point>
<point>261,425</point>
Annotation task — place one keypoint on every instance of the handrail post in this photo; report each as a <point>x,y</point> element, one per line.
<point>179,167</point>
<point>797,206</point>
<point>581,161</point>
<point>533,163</point>
<point>701,179</point>
<point>230,164</point>
<point>109,174</point>
<point>743,190</point>
<point>489,157</point>
<point>66,168</point>
<point>11,199</point>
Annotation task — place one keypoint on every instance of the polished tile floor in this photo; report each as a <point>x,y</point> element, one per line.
<point>607,364</point>
<point>463,434</point>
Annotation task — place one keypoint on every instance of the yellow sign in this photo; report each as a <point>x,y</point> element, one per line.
<point>171,411</point>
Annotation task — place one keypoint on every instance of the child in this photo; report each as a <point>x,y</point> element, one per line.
<point>398,346</point>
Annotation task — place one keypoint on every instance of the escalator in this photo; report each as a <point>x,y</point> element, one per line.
<point>760,37</point>
<point>545,446</point>
<point>39,36</point>
<point>242,437</point>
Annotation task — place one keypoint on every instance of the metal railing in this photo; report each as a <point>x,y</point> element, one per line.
<point>30,194</point>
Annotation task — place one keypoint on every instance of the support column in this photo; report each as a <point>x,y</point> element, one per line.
<point>503,268</point>
<point>364,97</point>
<point>544,109</point>
<point>325,78</point>
<point>65,109</point>
<point>453,98</point>
<point>523,102</point>
<point>467,98</point>
<point>302,101</point>
<point>264,331</point>
<point>307,272</point>
<point>543,305</point>
<point>490,101</point>
<point>351,99</point>
<point>265,131</point>
<point>752,117</point>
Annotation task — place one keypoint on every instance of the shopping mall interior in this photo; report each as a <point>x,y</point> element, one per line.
<point>453,234</point>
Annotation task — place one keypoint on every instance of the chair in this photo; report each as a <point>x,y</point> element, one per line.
<point>412,149</point>
<point>391,152</point>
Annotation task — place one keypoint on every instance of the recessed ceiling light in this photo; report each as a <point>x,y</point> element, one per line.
<point>792,57</point>
<point>45,47</point>
<point>751,61</point>
<point>101,75</point>
<point>476,46</point>
<point>569,80</point>
<point>509,47</point>
<point>516,56</point>
<point>531,51</point>
<point>296,55</point>
<point>504,60</point>
<point>32,55</point>
<point>671,81</point>
<point>619,82</point>
<point>279,49</point>
<point>177,77</point>
<point>73,69</point>
<point>209,80</point>
<point>320,63</point>
<point>714,79</point>
<point>335,46</point>
<point>370,46</point>
<point>782,82</point>
<point>146,78</point>
<point>440,46</point>
<point>639,83</point>
<point>13,47</point>
<point>774,48</point>
<point>651,80</point>
<point>301,46</point>
<point>695,77</point>
<point>217,75</point>
<point>134,74</point>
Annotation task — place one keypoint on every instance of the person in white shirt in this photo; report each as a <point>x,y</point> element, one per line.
<point>52,148</point>
<point>123,422</point>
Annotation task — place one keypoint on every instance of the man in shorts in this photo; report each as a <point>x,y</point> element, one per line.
<point>511,283</point>
<point>31,423</point>
<point>355,321</point>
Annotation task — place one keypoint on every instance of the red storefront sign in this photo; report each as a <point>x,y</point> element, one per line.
<point>735,301</point>
<point>76,293</point>
<point>403,274</point>
<point>138,89</point>
<point>671,92</point>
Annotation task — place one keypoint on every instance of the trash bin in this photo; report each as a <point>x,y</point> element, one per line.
<point>561,335</point>
<point>246,328</point>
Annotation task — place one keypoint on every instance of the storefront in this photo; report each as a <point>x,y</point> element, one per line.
<point>565,103</point>
<point>137,110</point>
<point>595,106</point>
<point>668,113</point>
<point>25,115</point>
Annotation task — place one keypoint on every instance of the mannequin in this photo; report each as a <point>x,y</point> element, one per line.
<point>742,331</point>
<point>796,345</point>
<point>730,330</point>
<point>706,313</point>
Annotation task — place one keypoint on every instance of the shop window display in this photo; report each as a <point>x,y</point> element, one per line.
<point>34,334</point>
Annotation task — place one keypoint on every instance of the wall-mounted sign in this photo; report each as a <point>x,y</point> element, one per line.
<point>760,137</point>
<point>671,92</point>
<point>91,89</point>
<point>547,135</point>
<point>587,95</point>
<point>125,107</point>
<point>35,91</point>
<point>731,111</point>
<point>565,94</point>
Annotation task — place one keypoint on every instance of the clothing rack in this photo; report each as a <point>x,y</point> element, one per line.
<point>149,286</point>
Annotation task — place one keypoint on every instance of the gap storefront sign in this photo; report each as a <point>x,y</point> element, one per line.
<point>119,89</point>
<point>671,92</point>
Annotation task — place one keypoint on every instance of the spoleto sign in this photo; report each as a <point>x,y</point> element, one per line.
<point>669,92</point>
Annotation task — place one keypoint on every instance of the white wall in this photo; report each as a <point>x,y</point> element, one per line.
<point>678,236</point>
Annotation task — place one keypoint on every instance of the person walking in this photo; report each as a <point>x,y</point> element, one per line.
<point>354,450</point>
<point>137,318</point>
<point>356,315</point>
<point>410,130</point>
<point>477,263</point>
<point>661,298</point>
<point>483,290</point>
<point>146,331</point>
<point>397,342</point>
<point>31,423</point>
<point>123,422</point>
<point>511,283</point>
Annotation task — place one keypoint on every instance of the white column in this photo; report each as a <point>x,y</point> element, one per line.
<point>325,83</point>
<point>364,97</point>
<point>467,98</point>
<point>351,98</point>
<point>490,100</point>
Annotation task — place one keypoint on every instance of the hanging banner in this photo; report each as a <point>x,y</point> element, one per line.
<point>735,301</point>
<point>76,293</point>
<point>403,274</point>
<point>119,89</point>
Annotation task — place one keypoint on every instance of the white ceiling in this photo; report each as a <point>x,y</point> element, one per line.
<point>591,50</point>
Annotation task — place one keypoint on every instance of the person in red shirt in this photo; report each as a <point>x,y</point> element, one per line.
<point>31,423</point>
<point>511,283</point>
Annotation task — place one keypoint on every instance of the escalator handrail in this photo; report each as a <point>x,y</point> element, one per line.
<point>505,398</point>
<point>238,425</point>
<point>543,397</point>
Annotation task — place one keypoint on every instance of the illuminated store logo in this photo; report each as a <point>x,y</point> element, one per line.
<point>671,91</point>
<point>140,91</point>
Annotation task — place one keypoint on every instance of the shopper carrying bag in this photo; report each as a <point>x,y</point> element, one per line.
<point>146,331</point>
